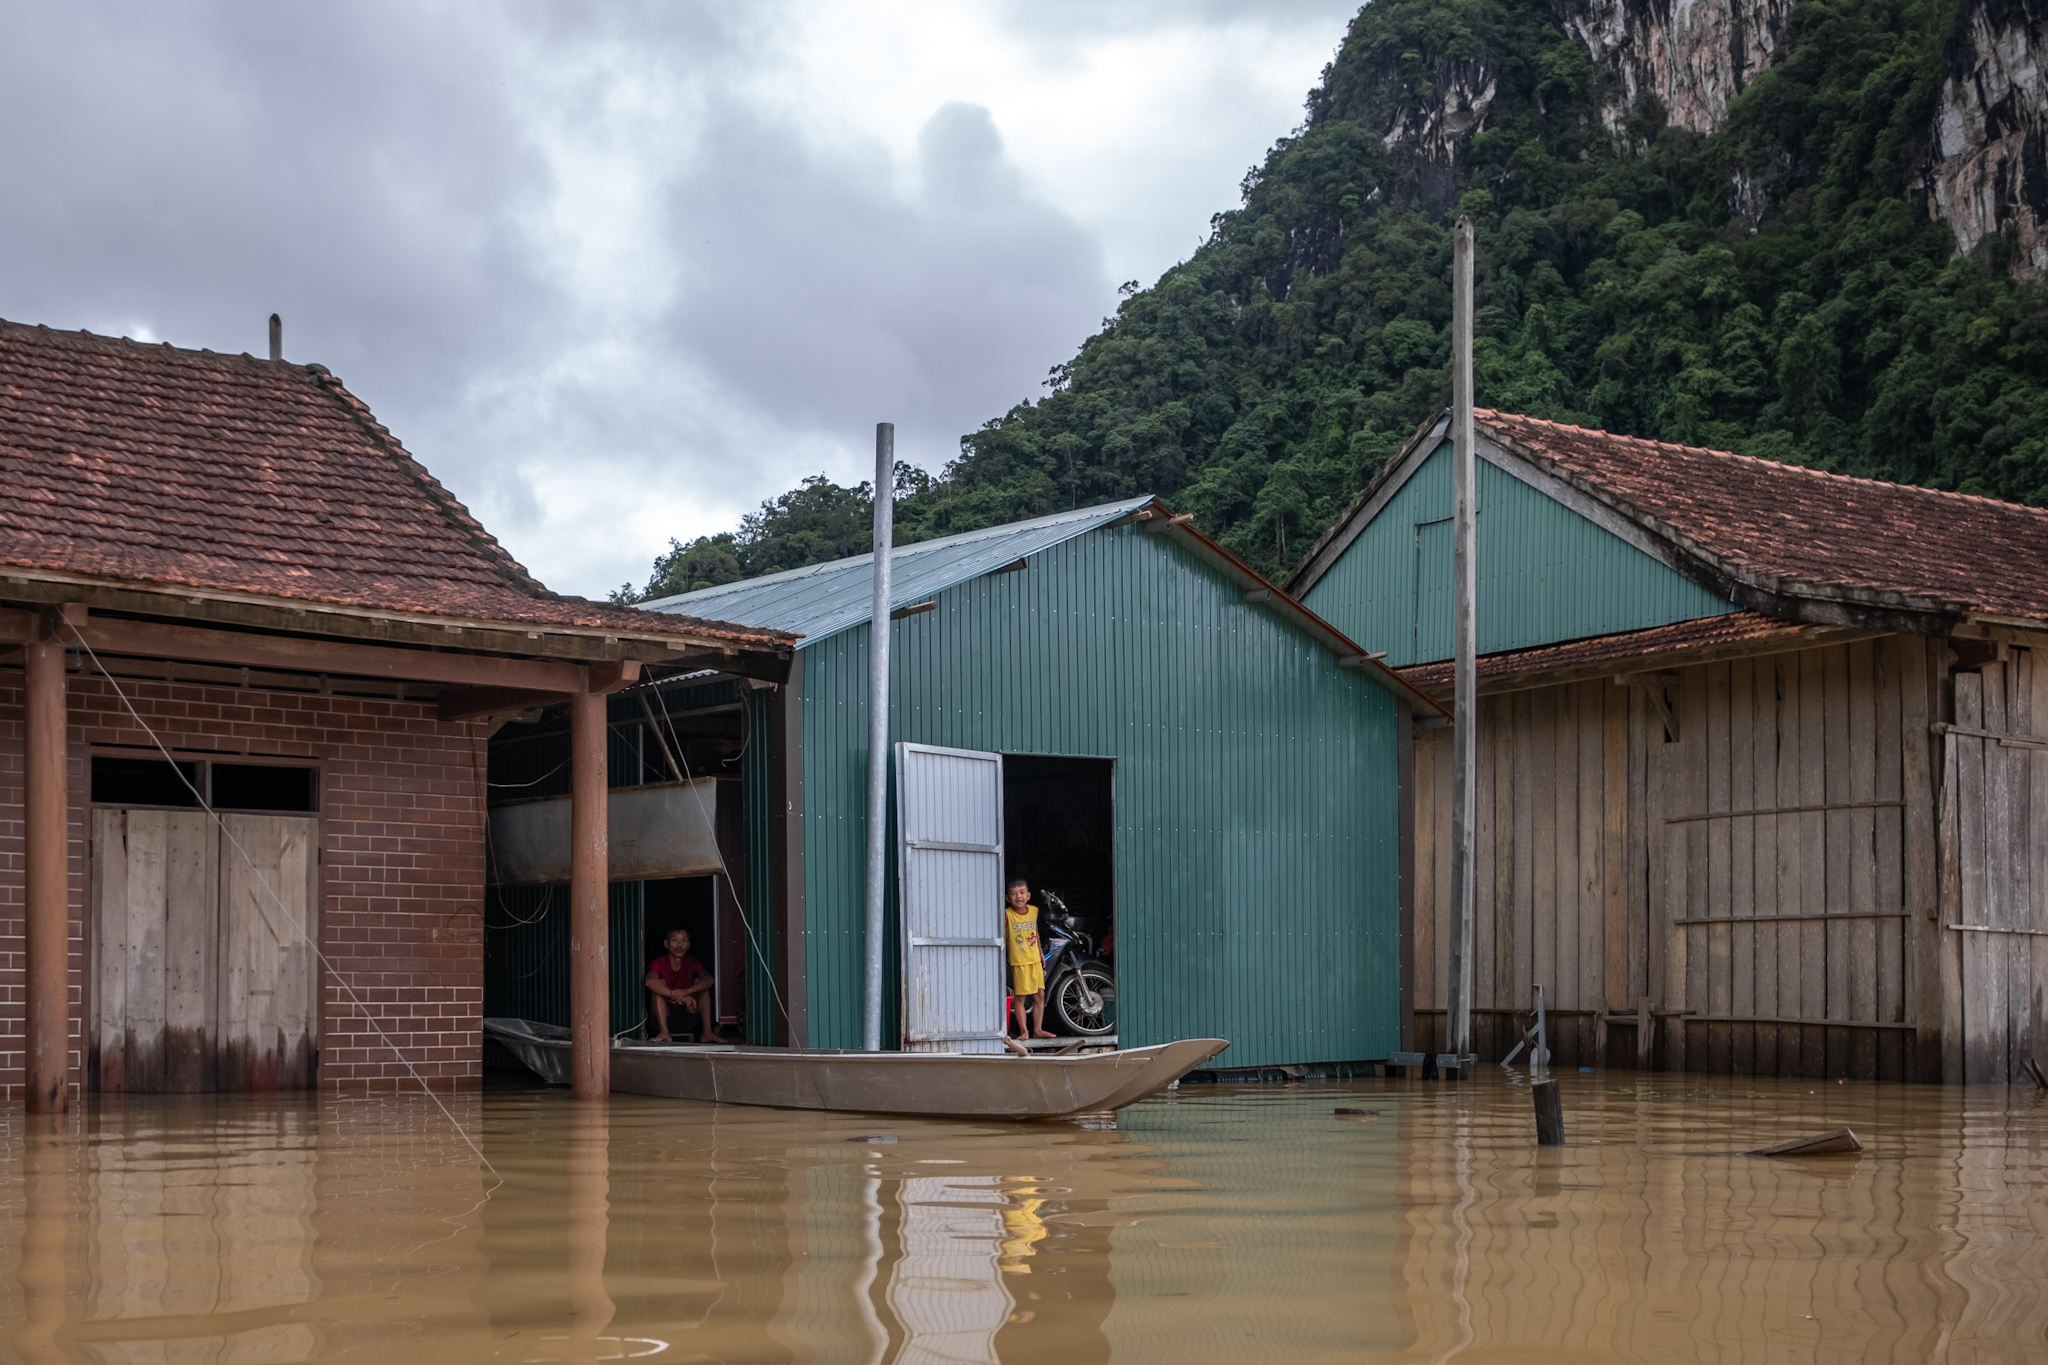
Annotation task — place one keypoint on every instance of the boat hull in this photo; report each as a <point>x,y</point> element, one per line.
<point>936,1084</point>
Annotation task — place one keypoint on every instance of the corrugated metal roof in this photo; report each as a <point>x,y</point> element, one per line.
<point>820,601</point>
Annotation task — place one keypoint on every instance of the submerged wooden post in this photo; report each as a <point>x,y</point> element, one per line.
<point>46,829</point>
<point>1464,668</point>
<point>589,900</point>
<point>1549,1114</point>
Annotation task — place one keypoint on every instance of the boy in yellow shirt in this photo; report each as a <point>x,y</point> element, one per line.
<point>1027,961</point>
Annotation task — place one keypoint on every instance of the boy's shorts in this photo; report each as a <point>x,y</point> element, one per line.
<point>1026,978</point>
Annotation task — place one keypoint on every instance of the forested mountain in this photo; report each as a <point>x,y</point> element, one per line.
<point>1812,232</point>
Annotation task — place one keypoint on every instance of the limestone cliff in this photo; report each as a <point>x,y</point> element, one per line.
<point>1690,56</point>
<point>1988,162</point>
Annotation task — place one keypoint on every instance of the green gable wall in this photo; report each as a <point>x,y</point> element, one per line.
<point>1256,791</point>
<point>1546,574</point>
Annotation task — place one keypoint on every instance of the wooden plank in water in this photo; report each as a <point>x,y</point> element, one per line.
<point>1831,1143</point>
<point>1541,798</point>
<point>193,959</point>
<point>2037,844</point>
<point>111,891</point>
<point>1861,936</point>
<point>1920,891</point>
<point>1614,846</point>
<point>1968,752</point>
<point>1812,854</point>
<point>1588,893</point>
<point>1428,842</point>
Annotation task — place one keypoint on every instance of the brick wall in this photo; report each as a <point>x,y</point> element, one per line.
<point>401,866</point>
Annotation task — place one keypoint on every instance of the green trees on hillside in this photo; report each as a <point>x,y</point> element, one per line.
<point>1777,288</point>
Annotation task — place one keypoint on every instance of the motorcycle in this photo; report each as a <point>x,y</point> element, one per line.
<point>1080,989</point>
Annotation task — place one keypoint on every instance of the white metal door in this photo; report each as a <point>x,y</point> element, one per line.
<point>949,869</point>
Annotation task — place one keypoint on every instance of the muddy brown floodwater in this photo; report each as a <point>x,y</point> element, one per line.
<point>1218,1224</point>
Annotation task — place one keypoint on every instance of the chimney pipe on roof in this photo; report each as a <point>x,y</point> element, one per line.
<point>276,337</point>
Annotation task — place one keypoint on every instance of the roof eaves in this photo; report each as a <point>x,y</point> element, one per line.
<point>1720,565</point>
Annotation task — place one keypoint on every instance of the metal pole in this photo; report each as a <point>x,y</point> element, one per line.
<point>878,736</point>
<point>590,1015</point>
<point>1464,673</point>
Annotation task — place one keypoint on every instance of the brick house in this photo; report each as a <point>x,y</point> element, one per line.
<point>1762,773</point>
<point>250,656</point>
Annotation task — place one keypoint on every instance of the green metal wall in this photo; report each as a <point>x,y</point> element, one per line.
<point>1256,791</point>
<point>1546,574</point>
<point>526,953</point>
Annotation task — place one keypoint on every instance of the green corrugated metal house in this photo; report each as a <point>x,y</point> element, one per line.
<point>1200,766</point>
<point>1762,773</point>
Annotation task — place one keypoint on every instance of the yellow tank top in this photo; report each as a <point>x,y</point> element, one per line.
<point>1022,932</point>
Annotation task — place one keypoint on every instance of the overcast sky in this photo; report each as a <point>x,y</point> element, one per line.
<point>618,272</point>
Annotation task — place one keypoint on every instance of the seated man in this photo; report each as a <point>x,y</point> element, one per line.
<point>678,979</point>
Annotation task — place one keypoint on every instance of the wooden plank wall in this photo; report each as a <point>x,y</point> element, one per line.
<point>1756,875</point>
<point>1995,924</point>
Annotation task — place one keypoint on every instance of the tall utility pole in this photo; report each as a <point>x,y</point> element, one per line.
<point>878,738</point>
<point>1464,668</point>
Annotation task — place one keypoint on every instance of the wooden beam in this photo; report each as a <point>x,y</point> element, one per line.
<point>157,640</point>
<point>606,678</point>
<point>470,703</point>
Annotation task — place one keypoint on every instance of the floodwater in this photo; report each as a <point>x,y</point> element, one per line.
<point>1216,1224</point>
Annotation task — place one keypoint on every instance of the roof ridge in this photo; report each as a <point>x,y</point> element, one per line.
<point>46,334</point>
<point>450,507</point>
<point>1484,414</point>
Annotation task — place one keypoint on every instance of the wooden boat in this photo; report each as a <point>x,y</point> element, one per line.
<point>937,1084</point>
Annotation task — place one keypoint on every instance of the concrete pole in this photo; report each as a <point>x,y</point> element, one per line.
<point>589,901</point>
<point>878,739</point>
<point>1464,668</point>
<point>46,822</point>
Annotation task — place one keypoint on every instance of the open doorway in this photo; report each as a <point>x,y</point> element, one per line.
<point>704,906</point>
<point>1059,834</point>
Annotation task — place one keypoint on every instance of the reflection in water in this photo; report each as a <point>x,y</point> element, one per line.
<point>1217,1225</point>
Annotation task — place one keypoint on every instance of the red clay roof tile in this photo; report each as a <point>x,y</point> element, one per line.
<point>1804,527</point>
<point>161,466</point>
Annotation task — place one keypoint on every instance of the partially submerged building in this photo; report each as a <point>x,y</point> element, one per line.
<point>250,654</point>
<point>1111,705</point>
<point>1761,779</point>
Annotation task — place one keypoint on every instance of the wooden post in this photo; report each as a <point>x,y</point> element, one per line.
<point>1464,703</point>
<point>1549,1114</point>
<point>589,901</point>
<point>46,829</point>
<point>1646,1034</point>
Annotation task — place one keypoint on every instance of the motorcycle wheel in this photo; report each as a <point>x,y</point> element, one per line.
<point>1074,993</point>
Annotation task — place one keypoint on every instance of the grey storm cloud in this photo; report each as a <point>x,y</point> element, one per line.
<point>584,260</point>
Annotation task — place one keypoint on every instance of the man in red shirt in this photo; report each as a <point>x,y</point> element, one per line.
<point>678,979</point>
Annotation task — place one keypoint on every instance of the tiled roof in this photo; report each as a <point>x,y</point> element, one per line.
<point>1801,529</point>
<point>1629,647</point>
<point>156,466</point>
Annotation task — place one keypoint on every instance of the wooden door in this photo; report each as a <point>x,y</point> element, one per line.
<point>1995,866</point>
<point>269,1003</point>
<point>155,880</point>
<point>204,974</point>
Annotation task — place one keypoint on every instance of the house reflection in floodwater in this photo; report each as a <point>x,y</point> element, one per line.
<point>1212,1226</point>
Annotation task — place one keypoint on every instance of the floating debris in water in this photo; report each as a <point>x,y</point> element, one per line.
<point>1814,1144</point>
<point>1358,1113</point>
<point>874,1138</point>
